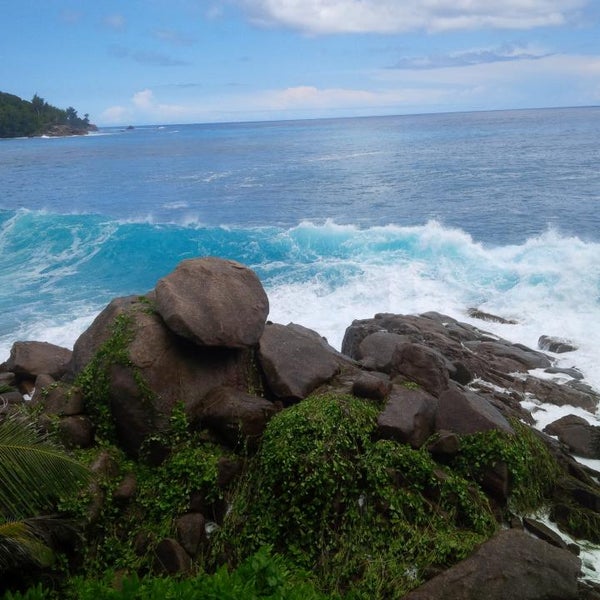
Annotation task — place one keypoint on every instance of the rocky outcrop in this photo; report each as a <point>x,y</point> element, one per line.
<point>200,340</point>
<point>213,302</point>
<point>510,565</point>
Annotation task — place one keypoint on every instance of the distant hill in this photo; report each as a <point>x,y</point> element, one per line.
<point>21,118</point>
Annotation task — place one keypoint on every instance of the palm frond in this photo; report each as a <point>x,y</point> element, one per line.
<point>33,470</point>
<point>20,544</point>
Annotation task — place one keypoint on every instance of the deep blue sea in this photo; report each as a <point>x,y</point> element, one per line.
<point>340,218</point>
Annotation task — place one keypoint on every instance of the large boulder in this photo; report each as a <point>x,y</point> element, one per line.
<point>511,565</point>
<point>30,359</point>
<point>296,360</point>
<point>146,369</point>
<point>213,302</point>
<point>422,365</point>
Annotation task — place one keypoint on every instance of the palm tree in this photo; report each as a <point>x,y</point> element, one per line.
<point>34,472</point>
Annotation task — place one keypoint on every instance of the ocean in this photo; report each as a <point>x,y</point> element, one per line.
<point>340,218</point>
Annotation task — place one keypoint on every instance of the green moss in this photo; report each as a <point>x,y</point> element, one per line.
<point>369,518</point>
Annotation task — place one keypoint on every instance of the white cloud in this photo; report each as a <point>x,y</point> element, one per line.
<point>115,115</point>
<point>394,16</point>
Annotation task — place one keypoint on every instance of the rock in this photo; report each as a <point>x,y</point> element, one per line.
<point>408,417</point>
<point>99,332</point>
<point>510,565</point>
<point>463,412</point>
<point>582,438</point>
<point>76,431</point>
<point>34,358</point>
<point>377,350</point>
<point>155,369</point>
<point>296,360</point>
<point>571,372</point>
<point>213,302</point>
<point>511,357</point>
<point>475,313</point>
<point>236,416</point>
<point>191,533</point>
<point>170,558</point>
<point>41,387</point>
<point>422,365</point>
<point>60,399</point>
<point>445,445</point>
<point>228,470</point>
<point>9,400</point>
<point>127,489</point>
<point>571,393</point>
<point>374,386</point>
<point>543,532</point>
<point>556,345</point>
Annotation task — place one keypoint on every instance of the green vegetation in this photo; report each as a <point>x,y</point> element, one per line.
<point>19,118</point>
<point>368,518</point>
<point>33,474</point>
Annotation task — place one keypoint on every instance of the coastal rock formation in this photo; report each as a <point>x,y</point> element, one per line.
<point>437,404</point>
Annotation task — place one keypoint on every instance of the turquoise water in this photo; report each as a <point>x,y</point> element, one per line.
<point>340,219</point>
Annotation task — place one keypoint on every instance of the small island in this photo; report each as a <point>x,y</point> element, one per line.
<point>22,118</point>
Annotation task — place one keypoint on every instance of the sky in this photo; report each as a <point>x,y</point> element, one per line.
<point>134,62</point>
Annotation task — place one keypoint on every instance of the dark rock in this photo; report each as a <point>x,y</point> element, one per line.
<point>408,417</point>
<point>544,532</point>
<point>374,386</point>
<point>191,533</point>
<point>296,360</point>
<point>571,393</point>
<point>213,302</point>
<point>76,431</point>
<point>422,365</point>
<point>228,469</point>
<point>235,415</point>
<point>460,373</point>
<point>34,358</point>
<point>170,558</point>
<point>496,481</point>
<point>582,438</point>
<point>9,400</point>
<point>60,399</point>
<point>463,412</point>
<point>7,378</point>
<point>510,565</point>
<point>515,357</point>
<point>41,388</point>
<point>571,372</point>
<point>161,370</point>
<point>475,313</point>
<point>105,466</point>
<point>376,351</point>
<point>556,345</point>
<point>445,445</point>
<point>98,333</point>
<point>127,489</point>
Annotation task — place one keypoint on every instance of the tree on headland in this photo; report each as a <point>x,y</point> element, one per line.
<point>20,118</point>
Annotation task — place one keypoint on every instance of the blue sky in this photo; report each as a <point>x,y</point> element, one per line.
<point>186,61</point>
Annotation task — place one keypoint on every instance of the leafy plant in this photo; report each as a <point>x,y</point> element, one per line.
<point>34,472</point>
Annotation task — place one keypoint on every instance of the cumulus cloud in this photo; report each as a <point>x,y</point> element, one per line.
<point>394,16</point>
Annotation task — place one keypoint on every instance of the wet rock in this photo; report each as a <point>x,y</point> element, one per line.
<point>556,345</point>
<point>191,532</point>
<point>475,313</point>
<point>543,532</point>
<point>170,558</point>
<point>582,438</point>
